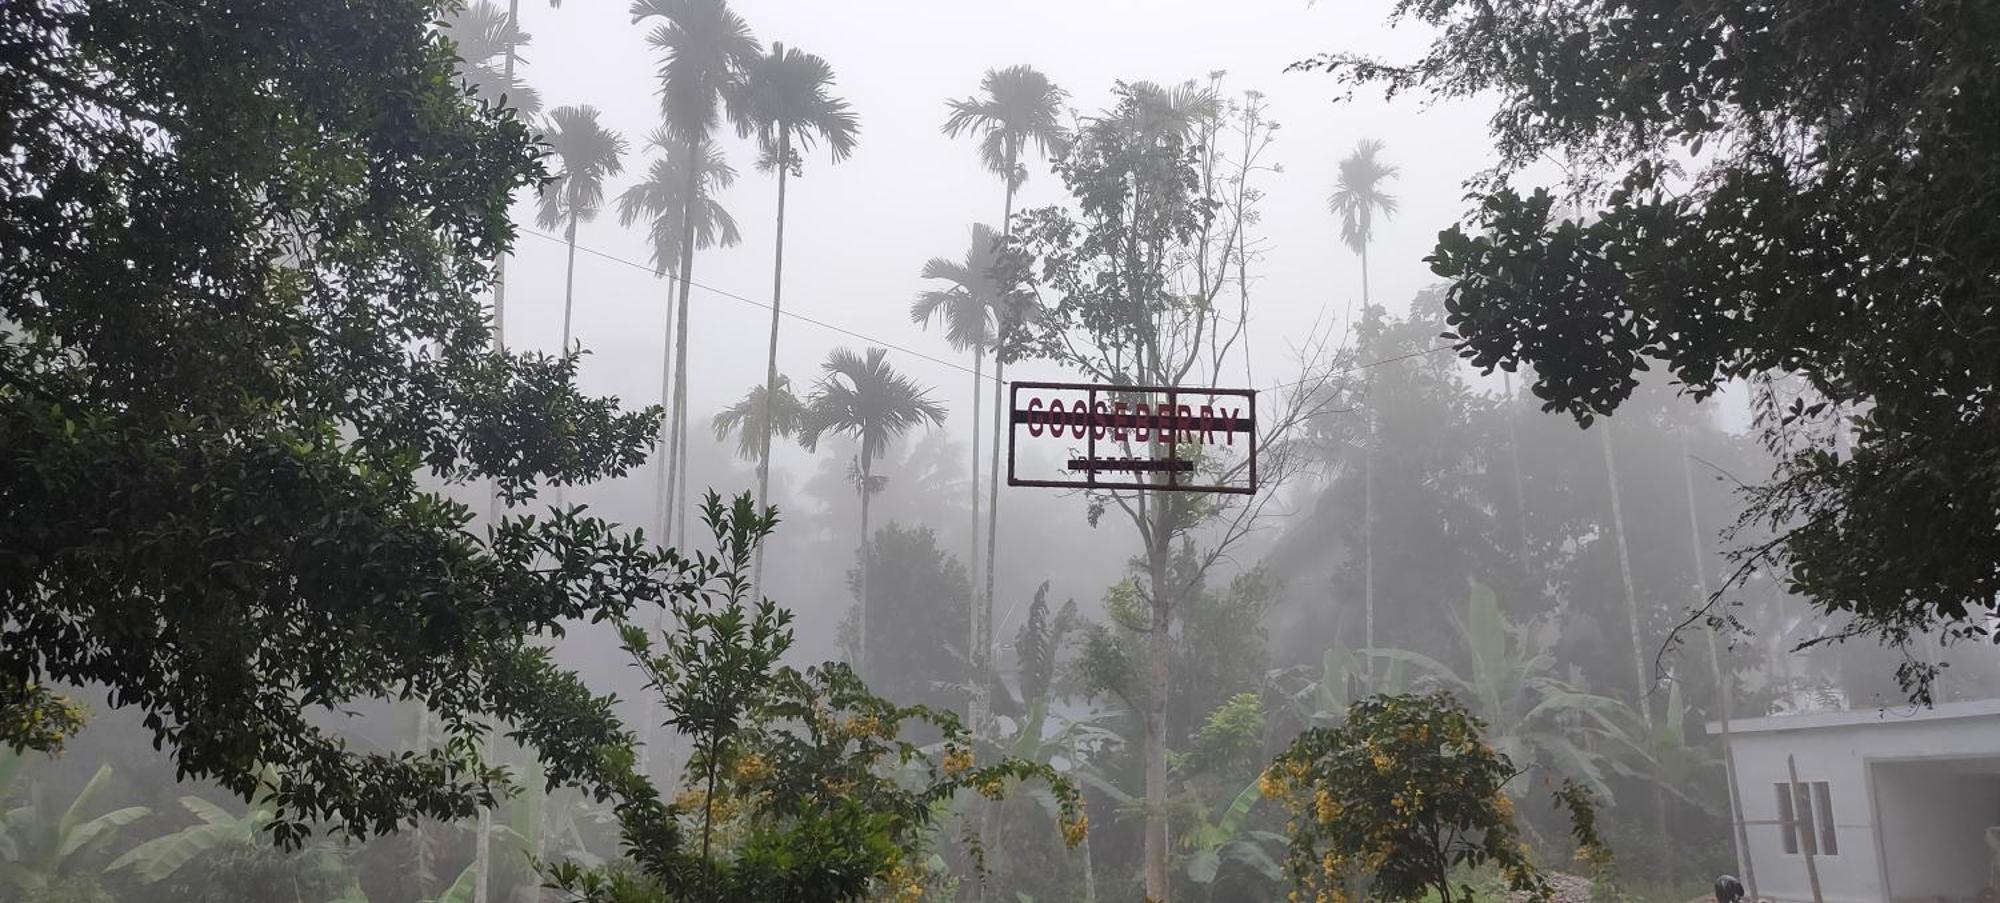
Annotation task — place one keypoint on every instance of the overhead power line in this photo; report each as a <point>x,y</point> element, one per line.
<point>942,362</point>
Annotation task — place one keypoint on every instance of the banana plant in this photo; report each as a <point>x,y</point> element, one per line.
<point>536,828</point>
<point>1531,714</point>
<point>219,829</point>
<point>1228,839</point>
<point>41,847</point>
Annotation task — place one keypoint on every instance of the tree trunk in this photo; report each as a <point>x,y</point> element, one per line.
<point>972,588</point>
<point>482,846</point>
<point>993,472</point>
<point>1642,686</point>
<point>1367,507</point>
<point>569,296</point>
<point>1725,690</point>
<point>771,368</point>
<point>1514,455</point>
<point>677,408</point>
<point>861,615</point>
<point>1159,651</point>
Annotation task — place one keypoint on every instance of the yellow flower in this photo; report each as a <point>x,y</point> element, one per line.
<point>992,789</point>
<point>752,768</point>
<point>1382,763</point>
<point>1326,807</point>
<point>1074,832</point>
<point>956,760</point>
<point>1270,785</point>
<point>1504,805</point>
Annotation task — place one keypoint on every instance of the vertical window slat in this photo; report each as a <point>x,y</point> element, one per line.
<point>1805,820</point>
<point>1823,809</point>
<point>1788,826</point>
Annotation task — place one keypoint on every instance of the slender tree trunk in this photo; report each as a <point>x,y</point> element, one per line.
<point>1641,685</point>
<point>1725,689</point>
<point>670,493</point>
<point>569,283</point>
<point>993,471</point>
<point>1514,461</point>
<point>482,846</point>
<point>1368,507</point>
<point>771,364</point>
<point>972,604</point>
<point>1159,651</point>
<point>861,615</point>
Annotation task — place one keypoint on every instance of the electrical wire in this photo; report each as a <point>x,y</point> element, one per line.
<point>1356,368</point>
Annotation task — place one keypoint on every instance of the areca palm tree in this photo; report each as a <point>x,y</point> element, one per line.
<point>863,397</point>
<point>1358,197</point>
<point>488,39</point>
<point>704,45</point>
<point>967,306</point>
<point>1017,107</point>
<point>752,414</point>
<point>588,153</point>
<point>672,224</point>
<point>785,101</point>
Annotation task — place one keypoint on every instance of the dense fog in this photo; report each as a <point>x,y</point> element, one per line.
<point>1191,207</point>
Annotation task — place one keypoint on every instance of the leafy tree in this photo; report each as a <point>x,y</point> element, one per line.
<point>1823,231</point>
<point>704,46</point>
<point>1401,794</point>
<point>805,775</point>
<point>589,153</point>
<point>785,101</point>
<point>864,397</point>
<point>43,850</point>
<point>756,412</point>
<point>1130,303</point>
<point>1019,107</point>
<point>243,316</point>
<point>918,595</point>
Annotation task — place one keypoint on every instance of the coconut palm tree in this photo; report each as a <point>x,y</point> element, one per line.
<point>749,417</point>
<point>1017,107</point>
<point>967,307</point>
<point>588,154</point>
<point>785,101</point>
<point>704,45</point>
<point>863,397</point>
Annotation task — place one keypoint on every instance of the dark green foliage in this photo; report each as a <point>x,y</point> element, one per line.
<point>1839,231</point>
<point>239,317</point>
<point>917,606</point>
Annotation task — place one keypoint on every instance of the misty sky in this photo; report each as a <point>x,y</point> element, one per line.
<point>858,232</point>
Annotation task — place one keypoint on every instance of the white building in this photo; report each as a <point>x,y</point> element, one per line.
<point>1891,806</point>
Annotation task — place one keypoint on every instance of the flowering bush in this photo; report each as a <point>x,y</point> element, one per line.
<point>1399,795</point>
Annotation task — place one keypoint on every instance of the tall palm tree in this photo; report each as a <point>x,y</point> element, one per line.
<point>488,39</point>
<point>967,307</point>
<point>862,396</point>
<point>704,47</point>
<point>588,153</point>
<point>785,101</point>
<point>751,415</point>
<point>1357,198</point>
<point>1017,107</point>
<point>672,225</point>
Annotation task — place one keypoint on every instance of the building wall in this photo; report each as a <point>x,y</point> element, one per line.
<point>1841,755</point>
<point>1934,822</point>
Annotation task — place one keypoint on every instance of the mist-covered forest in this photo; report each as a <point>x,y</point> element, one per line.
<point>505,451</point>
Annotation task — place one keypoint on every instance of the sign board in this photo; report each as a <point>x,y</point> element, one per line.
<point>1084,436</point>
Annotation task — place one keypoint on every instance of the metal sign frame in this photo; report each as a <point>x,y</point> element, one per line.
<point>1091,465</point>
